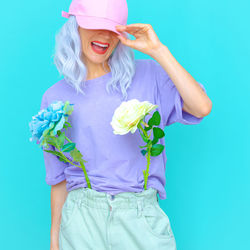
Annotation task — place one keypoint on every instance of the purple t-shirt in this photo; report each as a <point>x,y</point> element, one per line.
<point>114,162</point>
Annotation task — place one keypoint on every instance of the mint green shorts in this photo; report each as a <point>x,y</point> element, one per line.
<point>125,221</point>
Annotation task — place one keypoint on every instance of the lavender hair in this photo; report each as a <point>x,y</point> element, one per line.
<point>67,58</point>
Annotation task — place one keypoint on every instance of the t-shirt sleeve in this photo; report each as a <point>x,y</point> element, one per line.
<point>170,100</point>
<point>53,166</point>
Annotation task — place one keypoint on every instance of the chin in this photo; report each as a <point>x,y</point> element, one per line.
<point>97,58</point>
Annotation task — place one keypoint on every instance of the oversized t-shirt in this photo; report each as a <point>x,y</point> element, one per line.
<point>114,162</point>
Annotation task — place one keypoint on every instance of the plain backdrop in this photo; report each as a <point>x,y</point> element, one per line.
<point>207,170</point>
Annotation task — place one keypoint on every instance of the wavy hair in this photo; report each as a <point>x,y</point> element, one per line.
<point>67,58</point>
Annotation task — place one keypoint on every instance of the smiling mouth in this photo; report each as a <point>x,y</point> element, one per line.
<point>99,47</point>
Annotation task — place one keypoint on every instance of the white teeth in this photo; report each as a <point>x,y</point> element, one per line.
<point>101,45</point>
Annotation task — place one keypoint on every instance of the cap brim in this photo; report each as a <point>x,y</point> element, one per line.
<point>90,22</point>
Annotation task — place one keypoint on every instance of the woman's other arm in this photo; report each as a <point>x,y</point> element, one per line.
<point>195,100</point>
<point>58,196</point>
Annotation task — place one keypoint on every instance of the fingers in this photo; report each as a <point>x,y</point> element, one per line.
<point>129,29</point>
<point>126,41</point>
<point>135,28</point>
<point>133,25</point>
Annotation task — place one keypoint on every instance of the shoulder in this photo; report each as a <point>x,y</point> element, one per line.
<point>149,65</point>
<point>59,90</point>
<point>56,90</point>
<point>146,68</point>
<point>142,63</point>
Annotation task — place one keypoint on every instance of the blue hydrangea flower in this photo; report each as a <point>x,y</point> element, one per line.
<point>50,120</point>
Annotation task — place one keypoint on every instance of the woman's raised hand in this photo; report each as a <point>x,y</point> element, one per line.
<point>146,39</point>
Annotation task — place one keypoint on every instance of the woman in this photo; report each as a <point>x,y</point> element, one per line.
<point>96,59</point>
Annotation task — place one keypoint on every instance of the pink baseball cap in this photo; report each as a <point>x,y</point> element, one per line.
<point>99,14</point>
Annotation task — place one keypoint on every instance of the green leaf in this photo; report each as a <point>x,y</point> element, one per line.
<point>68,108</point>
<point>62,159</point>
<point>158,132</point>
<point>155,119</point>
<point>76,154</point>
<point>156,149</point>
<point>68,147</point>
<point>51,140</point>
<point>143,146</point>
<point>66,125</point>
<point>53,152</point>
<point>82,161</point>
<point>69,125</point>
<point>148,128</point>
<point>60,156</point>
<point>155,140</point>
<point>144,152</point>
<point>61,139</point>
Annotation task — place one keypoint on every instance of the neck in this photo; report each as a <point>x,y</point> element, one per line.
<point>95,70</point>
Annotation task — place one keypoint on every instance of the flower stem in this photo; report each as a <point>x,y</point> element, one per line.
<point>85,173</point>
<point>147,170</point>
<point>68,139</point>
<point>146,173</point>
<point>144,132</point>
<point>81,163</point>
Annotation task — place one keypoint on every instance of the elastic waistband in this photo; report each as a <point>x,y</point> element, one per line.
<point>96,199</point>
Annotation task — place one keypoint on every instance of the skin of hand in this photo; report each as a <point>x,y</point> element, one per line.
<point>58,196</point>
<point>195,100</point>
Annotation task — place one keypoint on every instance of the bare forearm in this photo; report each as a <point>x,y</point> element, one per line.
<point>195,99</point>
<point>58,197</point>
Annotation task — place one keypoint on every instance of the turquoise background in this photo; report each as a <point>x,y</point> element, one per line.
<point>208,188</point>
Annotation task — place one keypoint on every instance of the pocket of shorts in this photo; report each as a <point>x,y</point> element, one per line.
<point>68,211</point>
<point>156,221</point>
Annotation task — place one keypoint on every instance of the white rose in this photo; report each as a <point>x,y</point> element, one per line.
<point>127,116</point>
